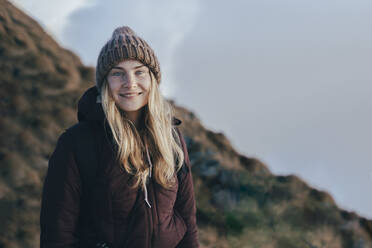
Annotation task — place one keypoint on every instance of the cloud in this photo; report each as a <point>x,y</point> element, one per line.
<point>51,14</point>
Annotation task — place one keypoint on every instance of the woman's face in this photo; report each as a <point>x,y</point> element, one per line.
<point>129,83</point>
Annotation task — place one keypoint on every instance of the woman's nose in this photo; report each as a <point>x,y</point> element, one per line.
<point>129,81</point>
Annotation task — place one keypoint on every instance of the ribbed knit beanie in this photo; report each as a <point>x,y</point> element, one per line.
<point>125,44</point>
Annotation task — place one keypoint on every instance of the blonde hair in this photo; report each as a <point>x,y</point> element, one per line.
<point>157,132</point>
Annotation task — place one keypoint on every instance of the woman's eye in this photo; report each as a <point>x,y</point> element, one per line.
<point>139,72</point>
<point>117,73</point>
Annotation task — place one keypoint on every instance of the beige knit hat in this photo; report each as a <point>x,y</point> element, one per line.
<point>125,44</point>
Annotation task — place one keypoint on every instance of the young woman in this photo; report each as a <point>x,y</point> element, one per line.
<point>121,176</point>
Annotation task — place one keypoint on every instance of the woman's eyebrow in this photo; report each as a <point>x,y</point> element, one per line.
<point>121,68</point>
<point>139,66</point>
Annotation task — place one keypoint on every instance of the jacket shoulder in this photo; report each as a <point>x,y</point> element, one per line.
<point>80,129</point>
<point>185,168</point>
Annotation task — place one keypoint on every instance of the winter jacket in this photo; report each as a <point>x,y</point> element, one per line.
<point>76,212</point>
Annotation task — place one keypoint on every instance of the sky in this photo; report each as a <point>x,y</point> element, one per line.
<point>288,82</point>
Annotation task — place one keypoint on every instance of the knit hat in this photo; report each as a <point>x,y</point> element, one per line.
<point>125,44</point>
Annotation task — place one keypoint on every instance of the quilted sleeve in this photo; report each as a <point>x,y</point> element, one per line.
<point>60,204</point>
<point>185,203</point>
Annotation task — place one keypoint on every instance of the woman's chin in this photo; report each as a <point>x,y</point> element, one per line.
<point>127,108</point>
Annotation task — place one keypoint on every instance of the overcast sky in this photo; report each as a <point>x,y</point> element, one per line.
<point>289,82</point>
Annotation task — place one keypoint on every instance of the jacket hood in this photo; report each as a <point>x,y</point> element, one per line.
<point>91,110</point>
<point>88,108</point>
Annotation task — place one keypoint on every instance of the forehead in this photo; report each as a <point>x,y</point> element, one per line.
<point>129,64</point>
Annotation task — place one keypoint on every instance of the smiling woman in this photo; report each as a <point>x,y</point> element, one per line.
<point>141,193</point>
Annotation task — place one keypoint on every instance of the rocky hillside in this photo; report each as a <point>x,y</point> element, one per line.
<point>240,203</point>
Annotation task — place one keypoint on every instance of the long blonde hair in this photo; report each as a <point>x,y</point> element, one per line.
<point>157,133</point>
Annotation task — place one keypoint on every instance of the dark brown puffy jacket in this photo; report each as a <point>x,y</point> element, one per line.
<point>77,212</point>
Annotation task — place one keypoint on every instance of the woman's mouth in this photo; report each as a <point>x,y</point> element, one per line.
<point>130,95</point>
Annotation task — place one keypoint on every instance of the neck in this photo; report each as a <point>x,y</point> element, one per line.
<point>136,117</point>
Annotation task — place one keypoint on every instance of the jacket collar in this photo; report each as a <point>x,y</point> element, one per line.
<point>91,110</point>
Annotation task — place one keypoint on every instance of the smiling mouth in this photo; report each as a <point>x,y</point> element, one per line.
<point>130,95</point>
